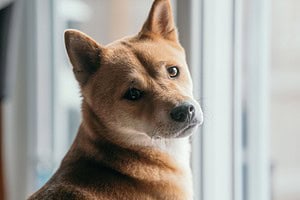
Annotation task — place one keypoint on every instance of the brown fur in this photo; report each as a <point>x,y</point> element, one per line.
<point>113,155</point>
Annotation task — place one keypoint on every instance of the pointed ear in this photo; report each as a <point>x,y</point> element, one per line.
<point>84,54</point>
<point>160,21</point>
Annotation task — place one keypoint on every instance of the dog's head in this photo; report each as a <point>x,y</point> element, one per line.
<point>139,87</point>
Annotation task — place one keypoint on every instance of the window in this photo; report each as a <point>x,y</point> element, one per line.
<point>236,52</point>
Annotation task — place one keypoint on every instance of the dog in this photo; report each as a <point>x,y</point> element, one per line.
<point>138,112</point>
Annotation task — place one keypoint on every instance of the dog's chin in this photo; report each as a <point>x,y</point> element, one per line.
<point>182,132</point>
<point>186,131</point>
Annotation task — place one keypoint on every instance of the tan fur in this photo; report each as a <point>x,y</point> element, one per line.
<point>128,150</point>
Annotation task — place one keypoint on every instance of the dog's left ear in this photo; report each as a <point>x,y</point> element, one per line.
<point>160,21</point>
<point>84,53</point>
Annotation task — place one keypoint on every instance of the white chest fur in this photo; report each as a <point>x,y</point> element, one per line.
<point>179,150</point>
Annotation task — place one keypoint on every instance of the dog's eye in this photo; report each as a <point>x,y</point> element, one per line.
<point>173,71</point>
<point>133,94</point>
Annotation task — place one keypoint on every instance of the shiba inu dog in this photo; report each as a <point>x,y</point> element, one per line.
<point>138,113</point>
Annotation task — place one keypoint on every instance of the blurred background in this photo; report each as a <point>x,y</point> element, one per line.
<point>244,57</point>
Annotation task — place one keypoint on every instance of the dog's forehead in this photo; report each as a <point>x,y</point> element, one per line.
<point>148,55</point>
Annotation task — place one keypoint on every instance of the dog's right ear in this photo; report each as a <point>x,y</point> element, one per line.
<point>160,21</point>
<point>84,53</point>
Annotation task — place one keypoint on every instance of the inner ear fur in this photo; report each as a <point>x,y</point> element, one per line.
<point>84,53</point>
<point>160,21</point>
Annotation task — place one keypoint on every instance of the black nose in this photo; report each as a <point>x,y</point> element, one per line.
<point>183,112</point>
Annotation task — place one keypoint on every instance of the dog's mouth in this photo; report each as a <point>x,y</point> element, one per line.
<point>188,130</point>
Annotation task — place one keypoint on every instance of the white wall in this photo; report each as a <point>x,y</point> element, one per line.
<point>285,99</point>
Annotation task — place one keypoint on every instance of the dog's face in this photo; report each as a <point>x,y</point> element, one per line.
<point>138,87</point>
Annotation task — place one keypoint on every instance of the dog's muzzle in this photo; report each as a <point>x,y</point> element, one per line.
<point>188,116</point>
